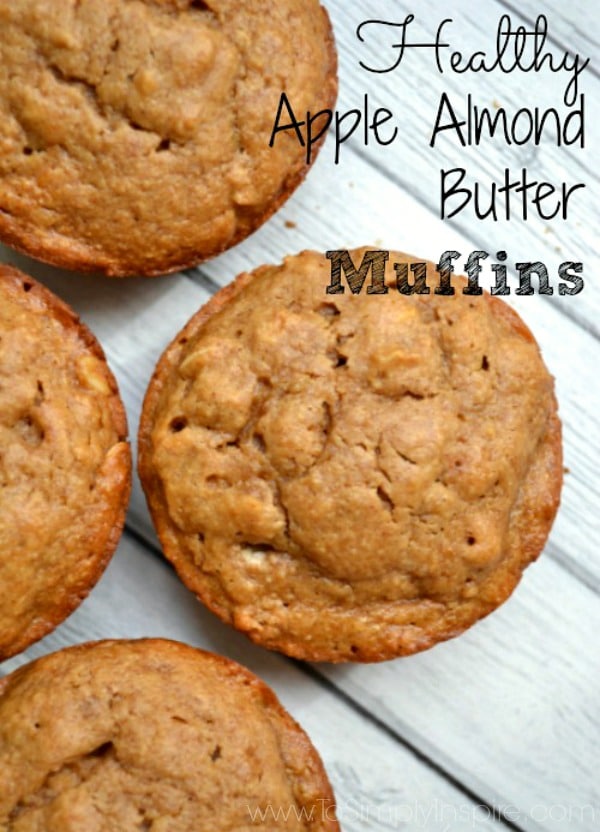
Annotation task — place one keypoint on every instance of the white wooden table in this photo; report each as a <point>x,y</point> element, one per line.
<point>499,728</point>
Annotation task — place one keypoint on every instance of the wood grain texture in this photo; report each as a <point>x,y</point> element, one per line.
<point>514,725</point>
<point>575,24</point>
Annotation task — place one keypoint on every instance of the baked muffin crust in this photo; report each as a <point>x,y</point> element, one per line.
<point>134,133</point>
<point>350,477</point>
<point>65,465</point>
<point>152,735</point>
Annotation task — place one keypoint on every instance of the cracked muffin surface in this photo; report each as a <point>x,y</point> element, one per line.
<point>153,735</point>
<point>350,477</point>
<point>65,465</point>
<point>134,134</point>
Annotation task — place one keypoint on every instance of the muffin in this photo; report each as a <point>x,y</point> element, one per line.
<point>350,477</point>
<point>65,465</point>
<point>153,735</point>
<point>134,134</point>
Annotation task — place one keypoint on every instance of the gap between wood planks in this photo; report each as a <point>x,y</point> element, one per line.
<point>313,673</point>
<point>496,813</point>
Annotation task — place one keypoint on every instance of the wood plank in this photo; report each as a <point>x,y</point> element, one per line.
<point>575,24</point>
<point>378,783</point>
<point>510,707</point>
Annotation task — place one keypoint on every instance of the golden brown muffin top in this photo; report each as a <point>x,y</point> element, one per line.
<point>64,462</point>
<point>350,477</point>
<point>152,735</point>
<point>134,133</point>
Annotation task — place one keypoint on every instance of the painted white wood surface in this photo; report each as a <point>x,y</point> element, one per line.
<point>576,22</point>
<point>508,714</point>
